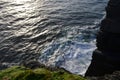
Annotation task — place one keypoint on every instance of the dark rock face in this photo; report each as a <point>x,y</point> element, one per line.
<point>2,66</point>
<point>106,59</point>
<point>112,21</point>
<point>103,64</point>
<point>114,76</point>
<point>32,64</point>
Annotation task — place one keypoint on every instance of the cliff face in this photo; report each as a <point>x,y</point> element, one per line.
<point>114,76</point>
<point>112,21</point>
<point>106,59</point>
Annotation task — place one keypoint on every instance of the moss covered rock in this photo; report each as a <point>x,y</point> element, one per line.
<point>22,73</point>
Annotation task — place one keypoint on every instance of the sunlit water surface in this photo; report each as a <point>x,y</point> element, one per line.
<point>54,32</point>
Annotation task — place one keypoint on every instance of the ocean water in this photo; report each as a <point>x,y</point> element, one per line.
<point>55,32</point>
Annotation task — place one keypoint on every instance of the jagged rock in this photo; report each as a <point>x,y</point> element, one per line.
<point>114,76</point>
<point>32,64</point>
<point>3,66</point>
<point>106,59</point>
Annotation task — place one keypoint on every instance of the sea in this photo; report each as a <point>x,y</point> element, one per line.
<point>59,33</point>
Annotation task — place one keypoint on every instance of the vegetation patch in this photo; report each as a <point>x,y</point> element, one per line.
<point>22,73</point>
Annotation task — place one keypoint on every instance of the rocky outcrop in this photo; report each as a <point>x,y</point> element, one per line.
<point>106,59</point>
<point>32,64</point>
<point>114,76</point>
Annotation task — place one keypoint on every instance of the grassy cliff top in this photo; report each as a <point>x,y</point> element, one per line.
<point>22,73</point>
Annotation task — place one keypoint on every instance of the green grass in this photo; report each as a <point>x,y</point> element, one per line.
<point>22,73</point>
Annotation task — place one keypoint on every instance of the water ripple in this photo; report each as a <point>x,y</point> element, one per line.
<point>55,32</point>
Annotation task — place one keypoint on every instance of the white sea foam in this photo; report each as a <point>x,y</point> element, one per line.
<point>73,56</point>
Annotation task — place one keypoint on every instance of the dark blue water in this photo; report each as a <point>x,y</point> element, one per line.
<point>54,32</point>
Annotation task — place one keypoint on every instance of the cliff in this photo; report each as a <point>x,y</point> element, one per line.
<point>106,58</point>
